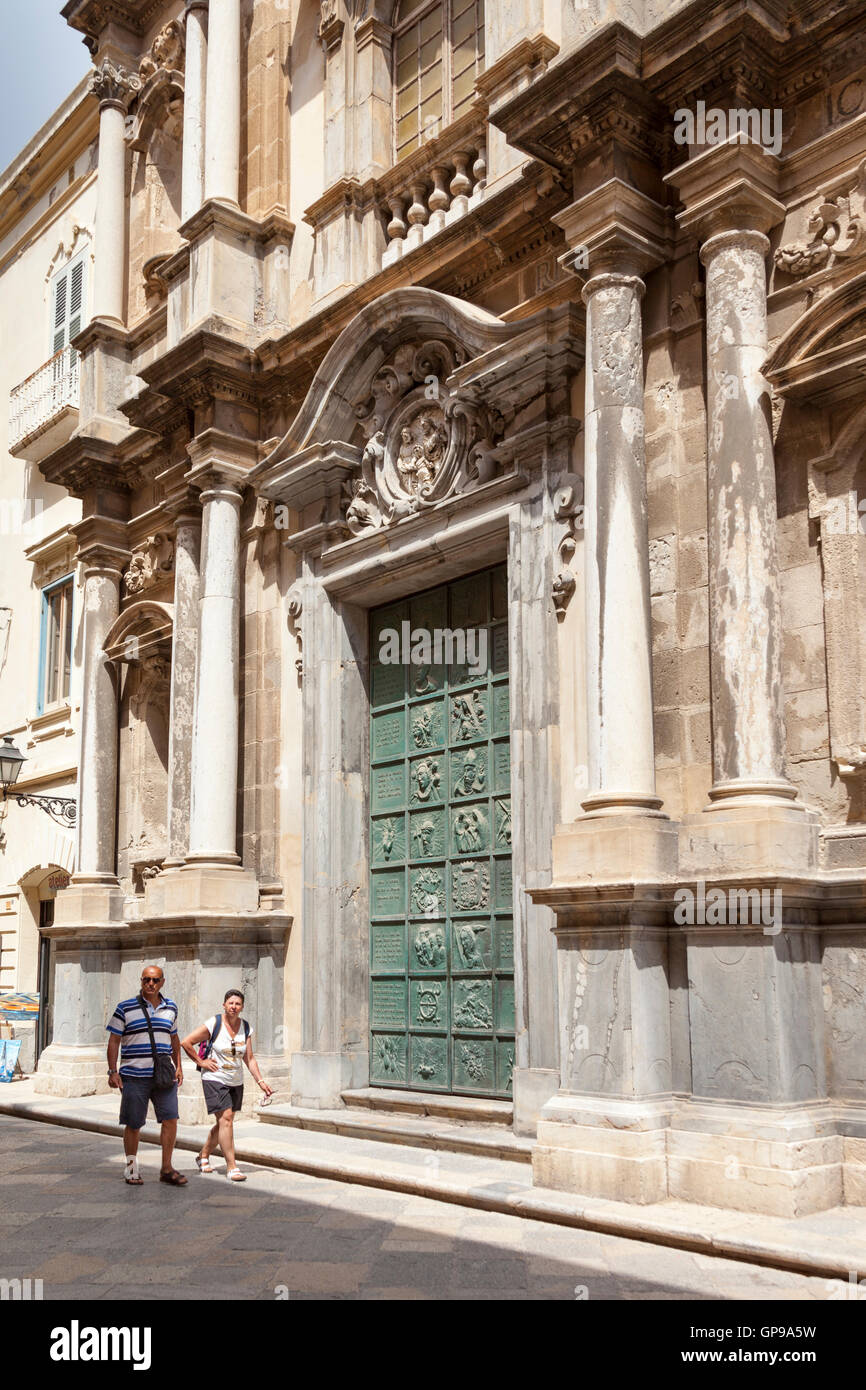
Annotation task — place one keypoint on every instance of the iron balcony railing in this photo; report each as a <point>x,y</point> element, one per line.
<point>40,399</point>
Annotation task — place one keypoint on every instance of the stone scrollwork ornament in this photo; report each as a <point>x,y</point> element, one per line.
<point>166,52</point>
<point>836,229</point>
<point>568,511</point>
<point>424,443</point>
<point>111,82</point>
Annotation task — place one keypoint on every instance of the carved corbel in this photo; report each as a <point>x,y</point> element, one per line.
<point>151,561</point>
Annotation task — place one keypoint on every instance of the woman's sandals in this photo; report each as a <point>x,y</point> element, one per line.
<point>203,1164</point>
<point>235,1175</point>
<point>131,1173</point>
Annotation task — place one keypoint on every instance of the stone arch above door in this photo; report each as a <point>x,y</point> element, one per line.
<point>422,398</point>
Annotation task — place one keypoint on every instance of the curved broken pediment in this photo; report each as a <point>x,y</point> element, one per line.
<point>822,357</point>
<point>141,631</point>
<point>409,408</point>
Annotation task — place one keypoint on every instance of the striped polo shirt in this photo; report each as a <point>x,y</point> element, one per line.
<point>129,1024</point>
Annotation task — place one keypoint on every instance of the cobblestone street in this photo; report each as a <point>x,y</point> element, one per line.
<point>69,1219</point>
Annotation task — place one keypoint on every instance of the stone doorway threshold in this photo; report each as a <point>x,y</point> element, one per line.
<point>829,1243</point>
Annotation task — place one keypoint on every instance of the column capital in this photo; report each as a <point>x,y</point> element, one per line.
<point>114,85</point>
<point>611,279</point>
<point>729,187</point>
<point>744,239</point>
<point>616,228</point>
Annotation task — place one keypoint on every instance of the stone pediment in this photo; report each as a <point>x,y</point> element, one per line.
<point>411,406</point>
<point>822,357</point>
<point>143,630</point>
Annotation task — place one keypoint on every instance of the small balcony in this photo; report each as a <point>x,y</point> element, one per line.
<point>43,410</point>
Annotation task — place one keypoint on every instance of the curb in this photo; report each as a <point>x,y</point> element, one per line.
<point>495,1198</point>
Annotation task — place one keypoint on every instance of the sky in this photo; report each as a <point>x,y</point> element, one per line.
<point>41,61</point>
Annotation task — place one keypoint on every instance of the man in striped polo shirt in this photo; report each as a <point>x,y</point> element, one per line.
<point>130,1037</point>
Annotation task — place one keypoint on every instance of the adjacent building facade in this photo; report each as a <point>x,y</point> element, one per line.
<point>540,324</point>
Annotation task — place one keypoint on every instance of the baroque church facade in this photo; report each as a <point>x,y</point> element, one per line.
<point>417,316</point>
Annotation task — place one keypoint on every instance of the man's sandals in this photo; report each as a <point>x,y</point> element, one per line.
<point>131,1174</point>
<point>173,1178</point>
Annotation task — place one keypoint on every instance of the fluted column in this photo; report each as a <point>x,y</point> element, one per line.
<point>619,646</point>
<point>97,773</point>
<point>114,86</point>
<point>223,104</point>
<point>194,107</point>
<point>183,661</point>
<point>213,812</point>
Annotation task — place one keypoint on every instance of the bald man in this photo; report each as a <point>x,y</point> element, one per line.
<point>140,1028</point>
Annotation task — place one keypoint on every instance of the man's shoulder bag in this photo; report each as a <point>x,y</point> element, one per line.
<point>164,1070</point>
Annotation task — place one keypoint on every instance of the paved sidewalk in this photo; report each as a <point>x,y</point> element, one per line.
<point>830,1244</point>
<point>70,1220</point>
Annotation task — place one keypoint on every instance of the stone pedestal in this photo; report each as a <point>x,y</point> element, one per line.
<point>75,1064</point>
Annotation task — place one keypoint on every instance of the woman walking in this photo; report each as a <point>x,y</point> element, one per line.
<point>228,1045</point>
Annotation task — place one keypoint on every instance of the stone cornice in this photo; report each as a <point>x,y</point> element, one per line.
<point>91,17</point>
<point>729,187</point>
<point>86,464</point>
<point>221,459</point>
<point>524,63</point>
<point>619,227</point>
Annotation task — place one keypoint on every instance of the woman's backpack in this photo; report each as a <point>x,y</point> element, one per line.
<point>206,1048</point>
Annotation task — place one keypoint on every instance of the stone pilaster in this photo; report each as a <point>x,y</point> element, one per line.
<point>114,87</point>
<point>194,107</point>
<point>223,102</point>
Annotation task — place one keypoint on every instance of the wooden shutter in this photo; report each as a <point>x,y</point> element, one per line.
<point>61,305</point>
<point>76,299</point>
<point>70,302</point>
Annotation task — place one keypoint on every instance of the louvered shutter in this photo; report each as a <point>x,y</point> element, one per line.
<point>70,297</point>
<point>76,299</point>
<point>61,304</point>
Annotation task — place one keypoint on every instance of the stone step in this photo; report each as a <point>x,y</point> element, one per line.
<point>475,1110</point>
<point>407,1130</point>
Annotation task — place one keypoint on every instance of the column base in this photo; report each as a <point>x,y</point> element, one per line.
<point>603,1147</point>
<point>320,1078</point>
<point>532,1088</point>
<point>776,1163</point>
<point>89,902</point>
<point>747,836</point>
<point>72,1071</point>
<point>197,888</point>
<point>641,846</point>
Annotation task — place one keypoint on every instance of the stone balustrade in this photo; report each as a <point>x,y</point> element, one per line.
<point>436,189</point>
<point>37,402</point>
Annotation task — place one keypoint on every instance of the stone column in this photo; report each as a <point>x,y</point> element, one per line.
<point>223,104</point>
<point>113,85</point>
<point>728,192</point>
<point>618,630</point>
<point>194,108</point>
<point>183,661</point>
<point>96,861</point>
<point>745,617</point>
<point>213,811</point>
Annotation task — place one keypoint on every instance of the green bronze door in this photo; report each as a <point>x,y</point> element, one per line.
<point>441,935</point>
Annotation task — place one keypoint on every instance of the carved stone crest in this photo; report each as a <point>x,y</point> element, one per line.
<point>166,51</point>
<point>424,443</point>
<point>151,561</point>
<point>836,229</point>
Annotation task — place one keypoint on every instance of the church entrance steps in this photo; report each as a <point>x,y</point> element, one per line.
<point>470,1109</point>
<point>828,1243</point>
<point>406,1127</point>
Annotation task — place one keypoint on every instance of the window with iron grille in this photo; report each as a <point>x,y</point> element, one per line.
<point>438,54</point>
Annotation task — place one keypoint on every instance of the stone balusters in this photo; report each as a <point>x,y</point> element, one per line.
<point>431,201</point>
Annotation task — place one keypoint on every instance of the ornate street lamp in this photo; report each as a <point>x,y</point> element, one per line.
<point>61,809</point>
